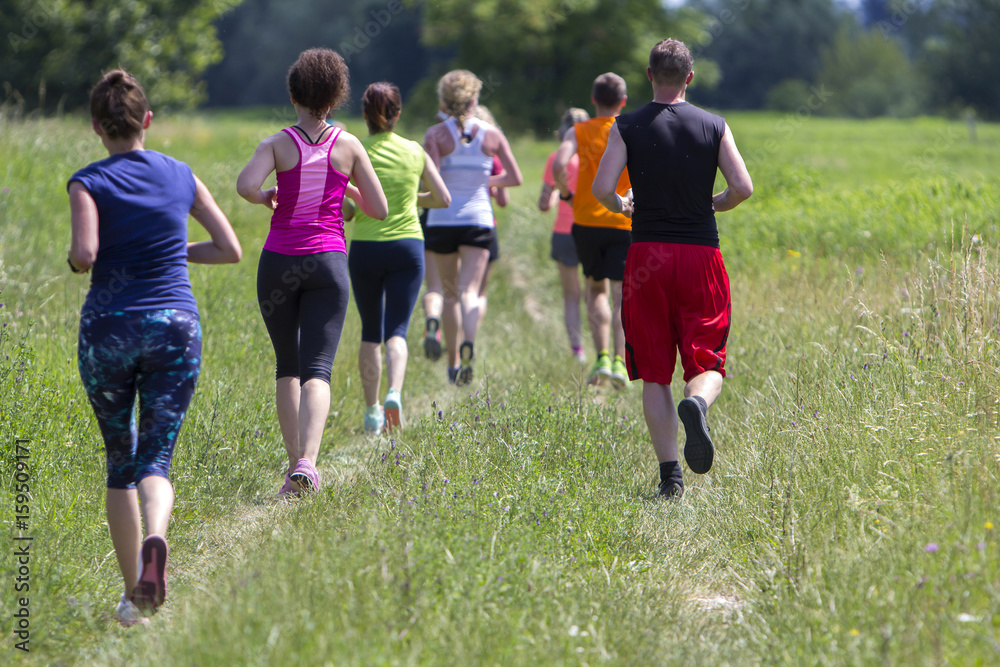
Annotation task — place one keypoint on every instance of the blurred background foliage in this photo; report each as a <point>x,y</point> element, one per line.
<point>860,58</point>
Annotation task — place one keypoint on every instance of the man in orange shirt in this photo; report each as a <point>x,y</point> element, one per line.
<point>602,237</point>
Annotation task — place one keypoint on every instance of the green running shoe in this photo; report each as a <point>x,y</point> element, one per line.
<point>601,371</point>
<point>619,374</point>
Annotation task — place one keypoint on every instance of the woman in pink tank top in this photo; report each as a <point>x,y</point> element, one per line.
<point>302,279</point>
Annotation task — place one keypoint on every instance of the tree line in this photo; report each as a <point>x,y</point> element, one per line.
<point>536,57</point>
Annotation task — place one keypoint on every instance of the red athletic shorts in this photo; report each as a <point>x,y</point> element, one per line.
<point>675,298</point>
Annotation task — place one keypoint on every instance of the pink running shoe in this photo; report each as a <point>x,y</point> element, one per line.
<point>287,489</point>
<point>305,477</point>
<point>151,589</point>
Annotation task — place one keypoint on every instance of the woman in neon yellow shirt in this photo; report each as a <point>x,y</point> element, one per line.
<point>386,259</point>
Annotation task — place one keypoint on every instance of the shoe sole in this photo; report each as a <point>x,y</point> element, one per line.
<point>151,589</point>
<point>464,376</point>
<point>698,450</point>
<point>432,348</point>
<point>393,417</point>
<point>303,482</point>
<point>619,382</point>
<point>599,379</point>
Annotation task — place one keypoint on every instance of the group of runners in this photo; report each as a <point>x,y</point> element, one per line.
<point>636,210</point>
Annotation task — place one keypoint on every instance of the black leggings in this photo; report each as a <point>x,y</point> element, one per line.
<point>303,299</point>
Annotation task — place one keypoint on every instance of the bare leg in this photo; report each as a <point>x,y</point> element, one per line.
<point>157,502</point>
<point>474,262</point>
<point>451,314</point>
<point>122,508</point>
<point>396,356</point>
<point>598,313</point>
<point>708,385</point>
<point>616,318</point>
<point>482,294</point>
<point>370,365</point>
<point>569,276</point>
<point>314,406</point>
<point>287,398</point>
<point>661,419</point>
<point>433,299</point>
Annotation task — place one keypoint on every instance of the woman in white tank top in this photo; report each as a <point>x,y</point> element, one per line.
<point>458,237</point>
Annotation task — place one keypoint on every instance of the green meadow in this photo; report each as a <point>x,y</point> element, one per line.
<point>849,519</point>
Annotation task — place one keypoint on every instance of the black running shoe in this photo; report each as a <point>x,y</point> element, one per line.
<point>432,339</point>
<point>672,489</point>
<point>698,450</point>
<point>465,355</point>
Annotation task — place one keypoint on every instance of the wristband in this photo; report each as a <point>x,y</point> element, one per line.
<point>73,268</point>
<point>566,198</point>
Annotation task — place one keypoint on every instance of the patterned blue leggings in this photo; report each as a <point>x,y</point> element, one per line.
<point>155,354</point>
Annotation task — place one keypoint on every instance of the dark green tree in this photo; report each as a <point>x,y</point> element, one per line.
<point>54,50</point>
<point>759,43</point>
<point>538,57</point>
<point>379,39</point>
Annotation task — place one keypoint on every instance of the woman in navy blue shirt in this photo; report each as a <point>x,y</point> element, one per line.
<point>140,335</point>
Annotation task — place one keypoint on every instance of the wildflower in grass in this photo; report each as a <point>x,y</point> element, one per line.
<point>6,190</point>
<point>981,546</point>
<point>931,547</point>
<point>794,253</point>
<point>859,271</point>
<point>854,632</point>
<point>988,525</point>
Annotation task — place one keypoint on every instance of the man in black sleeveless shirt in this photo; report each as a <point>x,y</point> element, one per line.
<point>676,291</point>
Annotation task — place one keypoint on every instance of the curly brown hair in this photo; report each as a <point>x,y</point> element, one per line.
<point>319,81</point>
<point>380,105</point>
<point>119,105</point>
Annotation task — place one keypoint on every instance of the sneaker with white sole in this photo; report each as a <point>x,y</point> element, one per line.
<point>374,419</point>
<point>601,371</point>
<point>393,411</point>
<point>619,374</point>
<point>128,614</point>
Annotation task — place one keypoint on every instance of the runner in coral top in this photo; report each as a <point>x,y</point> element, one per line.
<point>563,246</point>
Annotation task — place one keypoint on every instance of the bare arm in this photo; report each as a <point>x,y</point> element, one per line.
<point>734,170</point>
<point>511,175</point>
<point>610,170</point>
<point>372,199</point>
<point>224,248</point>
<point>548,197</point>
<point>431,146</point>
<point>84,222</point>
<point>567,149</point>
<point>435,193</point>
<point>501,195</point>
<point>252,177</point>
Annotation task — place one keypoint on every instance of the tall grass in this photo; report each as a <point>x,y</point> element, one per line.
<point>849,518</point>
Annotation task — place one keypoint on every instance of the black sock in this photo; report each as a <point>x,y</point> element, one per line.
<point>670,471</point>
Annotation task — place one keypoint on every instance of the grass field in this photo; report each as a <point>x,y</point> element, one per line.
<point>849,518</point>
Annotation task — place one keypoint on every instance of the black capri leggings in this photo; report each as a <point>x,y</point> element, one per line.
<point>386,278</point>
<point>303,299</point>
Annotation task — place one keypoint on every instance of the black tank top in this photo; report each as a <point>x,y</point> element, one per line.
<point>673,155</point>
